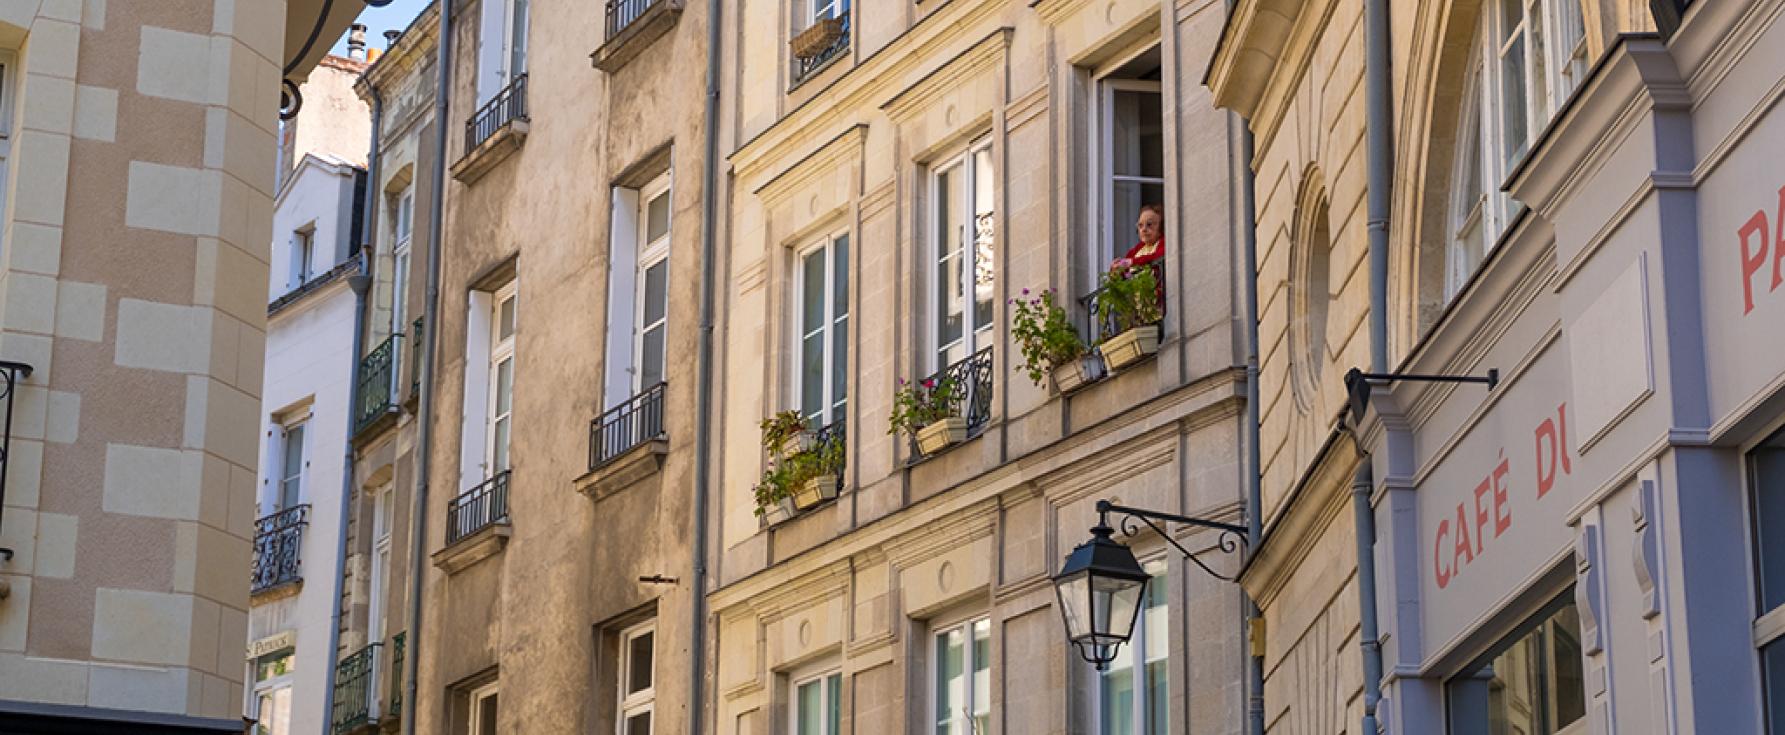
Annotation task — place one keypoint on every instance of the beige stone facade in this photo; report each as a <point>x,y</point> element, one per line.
<point>135,155</point>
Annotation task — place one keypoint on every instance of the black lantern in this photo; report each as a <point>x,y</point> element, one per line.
<point>1100,588</point>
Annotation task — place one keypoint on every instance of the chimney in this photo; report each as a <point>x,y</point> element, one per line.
<point>356,42</point>
<point>390,38</point>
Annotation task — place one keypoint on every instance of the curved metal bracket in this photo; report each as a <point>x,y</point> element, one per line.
<point>1231,536</point>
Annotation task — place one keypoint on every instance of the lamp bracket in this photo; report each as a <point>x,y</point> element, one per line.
<point>1231,536</point>
<point>1359,383</point>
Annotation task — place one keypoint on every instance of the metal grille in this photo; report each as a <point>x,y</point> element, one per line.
<point>355,685</point>
<point>278,546</point>
<point>824,438</point>
<point>396,675</point>
<point>973,397</point>
<point>622,13</point>
<point>415,347</point>
<point>377,382</point>
<point>507,106</point>
<point>12,373</point>
<point>638,420</point>
<point>808,66</point>
<point>477,508</point>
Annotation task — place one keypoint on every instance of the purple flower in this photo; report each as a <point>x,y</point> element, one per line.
<point>1025,292</point>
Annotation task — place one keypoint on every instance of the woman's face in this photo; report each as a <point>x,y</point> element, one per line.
<point>1151,226</point>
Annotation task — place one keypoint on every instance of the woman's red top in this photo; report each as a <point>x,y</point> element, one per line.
<point>1136,258</point>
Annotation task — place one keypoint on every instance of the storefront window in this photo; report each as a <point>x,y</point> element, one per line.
<point>1531,685</point>
<point>1766,477</point>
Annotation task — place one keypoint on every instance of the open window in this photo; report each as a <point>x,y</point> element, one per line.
<point>638,290</point>
<point>501,46</point>
<point>1128,155</point>
<point>820,34</point>
<point>489,384</point>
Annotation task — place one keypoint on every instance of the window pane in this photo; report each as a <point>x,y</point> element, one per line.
<point>840,275</point>
<point>833,696</point>
<point>1767,465</point>
<point>982,673</point>
<point>1137,134</point>
<point>639,661</point>
<point>1118,696</point>
<point>1512,102</point>
<point>1158,704</point>
<point>1772,661</point>
<point>657,218</point>
<point>290,487</point>
<point>812,376</point>
<point>505,320</point>
<point>1512,12</point>
<point>656,292</point>
<point>1533,686</point>
<point>518,46</point>
<point>1567,688</point>
<point>950,226</point>
<point>1539,63</point>
<point>950,679</point>
<point>984,237</point>
<point>499,450</point>
<point>839,367</point>
<point>486,715</point>
<point>810,716</point>
<point>812,292</point>
<point>651,362</point>
<point>504,386</point>
<point>639,724</point>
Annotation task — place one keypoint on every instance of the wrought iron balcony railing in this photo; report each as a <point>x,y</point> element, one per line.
<point>806,66</point>
<point>477,508</point>
<point>622,13</point>
<point>831,440</point>
<point>356,684</point>
<point>377,378</point>
<point>278,548</point>
<point>1098,328</point>
<point>12,373</point>
<point>638,420</point>
<point>395,709</point>
<point>972,378</point>
<point>507,106</point>
<point>415,347</point>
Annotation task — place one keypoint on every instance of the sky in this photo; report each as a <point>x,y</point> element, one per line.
<point>392,17</point>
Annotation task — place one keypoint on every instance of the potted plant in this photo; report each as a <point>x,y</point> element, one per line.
<point>926,410</point>
<point>817,38</point>
<point>802,471</point>
<point>1050,345</point>
<point>1128,299</point>
<point>813,473</point>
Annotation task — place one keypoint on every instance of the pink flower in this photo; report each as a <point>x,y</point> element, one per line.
<point>929,383</point>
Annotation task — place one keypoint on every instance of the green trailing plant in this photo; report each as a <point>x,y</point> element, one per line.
<point>1128,297</point>
<point>1045,334</point>
<point>793,461</point>
<point>916,405</point>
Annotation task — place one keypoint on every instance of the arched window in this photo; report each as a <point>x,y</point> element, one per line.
<point>1529,57</point>
<point>1311,294</point>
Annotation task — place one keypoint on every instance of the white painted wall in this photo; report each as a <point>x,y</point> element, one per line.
<point>317,196</point>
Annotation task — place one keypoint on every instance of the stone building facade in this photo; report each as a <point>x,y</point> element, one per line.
<point>136,159</point>
<point>892,186</point>
<point>1577,210</point>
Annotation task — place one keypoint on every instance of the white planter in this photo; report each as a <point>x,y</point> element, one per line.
<point>779,513</point>
<point>942,434</point>
<point>1076,374</point>
<point>815,491</point>
<point>1131,346</point>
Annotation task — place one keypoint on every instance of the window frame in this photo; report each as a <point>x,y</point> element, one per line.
<point>383,504</point>
<point>1160,571</point>
<point>501,349</point>
<point>1103,175</point>
<point>649,254</point>
<point>822,678</point>
<point>834,407</point>
<point>965,162</point>
<point>287,477</point>
<point>642,702</point>
<point>473,714</point>
<point>1543,618</point>
<point>303,255</point>
<point>403,231</point>
<point>966,625</point>
<point>270,686</point>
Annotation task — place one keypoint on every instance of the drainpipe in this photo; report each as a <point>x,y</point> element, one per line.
<point>418,505</point>
<point>360,282</point>
<point>703,446</point>
<point>1379,107</point>
<point>1253,461</point>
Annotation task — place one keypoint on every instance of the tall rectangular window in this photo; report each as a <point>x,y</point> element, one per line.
<point>381,525</point>
<point>1766,482</point>
<point>638,694</point>
<point>1128,133</point>
<point>817,705</point>
<point>501,379</point>
<point>1134,694</point>
<point>1532,684</point>
<point>638,290</point>
<point>823,300</point>
<point>963,678</point>
<point>291,467</point>
<point>652,310</point>
<point>405,226</point>
<point>502,46</point>
<point>962,201</point>
<point>272,692</point>
<point>302,260</point>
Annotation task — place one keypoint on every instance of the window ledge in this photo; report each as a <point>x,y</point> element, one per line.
<point>371,430</point>
<point>637,36</point>
<point>619,473</point>
<point>918,457</point>
<point>277,592</point>
<point>819,70</point>
<point>492,151</point>
<point>487,542</point>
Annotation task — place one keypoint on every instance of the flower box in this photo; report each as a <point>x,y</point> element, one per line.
<point>1131,346</point>
<point>941,435</point>
<point>1075,374</point>
<point>817,38</point>
<point>780,512</point>
<point>815,491</point>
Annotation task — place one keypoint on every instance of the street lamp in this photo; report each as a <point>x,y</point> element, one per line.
<point>1101,584</point>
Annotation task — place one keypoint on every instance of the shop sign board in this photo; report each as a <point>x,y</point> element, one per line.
<point>1742,249</point>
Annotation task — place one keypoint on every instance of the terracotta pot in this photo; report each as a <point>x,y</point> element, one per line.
<point>817,38</point>
<point>1075,374</point>
<point>1131,346</point>
<point>942,435</point>
<point>815,491</point>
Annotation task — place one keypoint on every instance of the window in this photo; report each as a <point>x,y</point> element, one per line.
<point>823,300</point>
<point>501,380</point>
<point>502,46</point>
<point>1766,480</point>
<point>1134,696</point>
<point>484,701</point>
<point>405,227</point>
<point>1530,57</point>
<point>962,206</point>
<point>1532,684</point>
<point>1128,130</point>
<point>272,693</point>
<point>381,525</point>
<point>291,468</point>
<point>303,246</point>
<point>637,693</point>
<point>818,705</point>
<point>638,290</point>
<point>963,678</point>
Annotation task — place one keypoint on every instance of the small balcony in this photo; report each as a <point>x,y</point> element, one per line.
<point>632,25</point>
<point>356,690</point>
<point>476,525</point>
<point>377,383</point>
<point>803,468</point>
<point>966,388</point>
<point>394,709</point>
<point>627,443</point>
<point>278,549</point>
<point>494,132</point>
<point>415,347</point>
<point>826,40</point>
